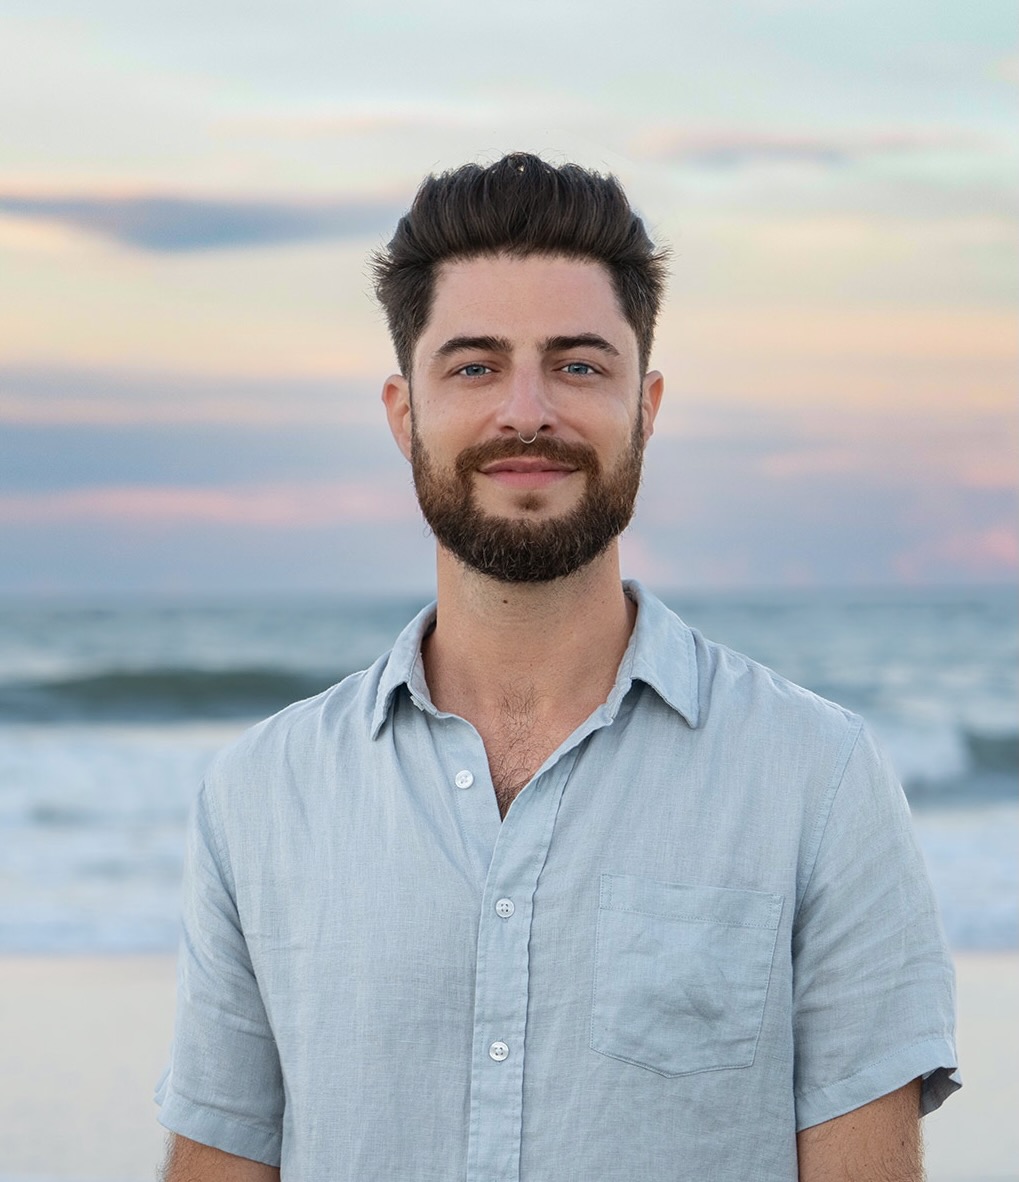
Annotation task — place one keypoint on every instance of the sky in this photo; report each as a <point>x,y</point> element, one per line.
<point>191,359</point>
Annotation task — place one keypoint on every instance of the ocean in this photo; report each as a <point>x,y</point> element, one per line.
<point>109,712</point>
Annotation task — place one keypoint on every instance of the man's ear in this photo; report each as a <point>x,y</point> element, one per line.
<point>396,397</point>
<point>651,391</point>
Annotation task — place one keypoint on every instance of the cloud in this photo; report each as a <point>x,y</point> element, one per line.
<point>1007,68</point>
<point>52,396</point>
<point>965,456</point>
<point>372,119</point>
<point>291,505</point>
<point>166,224</point>
<point>739,149</point>
<point>989,553</point>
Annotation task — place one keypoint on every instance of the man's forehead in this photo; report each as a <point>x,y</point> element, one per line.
<point>465,267</point>
<point>537,295</point>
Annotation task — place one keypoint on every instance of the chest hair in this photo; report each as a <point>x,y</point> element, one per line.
<point>517,742</point>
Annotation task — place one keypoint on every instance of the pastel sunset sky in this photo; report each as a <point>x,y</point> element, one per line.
<point>190,358</point>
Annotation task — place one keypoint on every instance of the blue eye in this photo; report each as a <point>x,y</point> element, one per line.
<point>580,368</point>
<point>474,370</point>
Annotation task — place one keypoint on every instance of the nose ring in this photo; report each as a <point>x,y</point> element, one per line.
<point>527,441</point>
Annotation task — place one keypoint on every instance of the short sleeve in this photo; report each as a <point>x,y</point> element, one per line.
<point>873,983</point>
<point>223,1086</point>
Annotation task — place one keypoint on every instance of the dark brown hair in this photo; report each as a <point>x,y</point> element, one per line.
<point>520,205</point>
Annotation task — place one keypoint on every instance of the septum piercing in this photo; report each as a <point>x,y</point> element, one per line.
<point>524,441</point>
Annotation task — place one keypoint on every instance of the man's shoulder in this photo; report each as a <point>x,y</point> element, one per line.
<point>732,676</point>
<point>728,684</point>
<point>753,702</point>
<point>298,732</point>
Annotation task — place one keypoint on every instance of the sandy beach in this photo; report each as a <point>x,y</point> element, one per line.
<point>84,1038</point>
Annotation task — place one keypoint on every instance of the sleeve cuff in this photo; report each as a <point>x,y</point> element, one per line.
<point>209,1127</point>
<point>934,1060</point>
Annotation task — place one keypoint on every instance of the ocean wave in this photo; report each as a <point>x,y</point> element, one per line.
<point>158,695</point>
<point>962,766</point>
<point>993,752</point>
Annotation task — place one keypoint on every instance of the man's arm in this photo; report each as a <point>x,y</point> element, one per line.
<point>879,1142</point>
<point>189,1161</point>
<point>224,1083</point>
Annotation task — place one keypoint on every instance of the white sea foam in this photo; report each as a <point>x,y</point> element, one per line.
<point>972,859</point>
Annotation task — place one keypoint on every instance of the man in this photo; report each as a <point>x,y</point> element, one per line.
<point>558,890</point>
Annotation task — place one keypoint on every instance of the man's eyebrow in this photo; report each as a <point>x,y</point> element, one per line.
<point>473,344</point>
<point>582,340</point>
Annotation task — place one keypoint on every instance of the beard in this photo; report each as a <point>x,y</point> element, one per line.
<point>517,550</point>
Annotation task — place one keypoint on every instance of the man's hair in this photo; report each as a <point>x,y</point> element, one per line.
<point>520,205</point>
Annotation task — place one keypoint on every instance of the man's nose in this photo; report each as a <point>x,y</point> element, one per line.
<point>527,407</point>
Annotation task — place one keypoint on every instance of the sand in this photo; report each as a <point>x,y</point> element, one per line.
<point>83,1039</point>
<point>974,1136</point>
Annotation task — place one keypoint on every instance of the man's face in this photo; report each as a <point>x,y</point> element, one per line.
<point>523,347</point>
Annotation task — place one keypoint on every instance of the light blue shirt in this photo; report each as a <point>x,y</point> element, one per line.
<point>703,925</point>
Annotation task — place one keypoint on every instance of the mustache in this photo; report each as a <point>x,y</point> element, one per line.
<point>581,456</point>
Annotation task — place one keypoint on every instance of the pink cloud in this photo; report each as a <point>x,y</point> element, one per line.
<point>963,458</point>
<point>981,554</point>
<point>292,505</point>
<point>819,461</point>
<point>727,148</point>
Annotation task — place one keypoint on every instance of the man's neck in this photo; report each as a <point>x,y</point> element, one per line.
<point>556,646</point>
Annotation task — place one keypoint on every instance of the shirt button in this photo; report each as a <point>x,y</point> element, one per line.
<point>463,779</point>
<point>504,908</point>
<point>499,1051</point>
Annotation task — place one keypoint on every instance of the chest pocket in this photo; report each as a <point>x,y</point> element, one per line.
<point>681,973</point>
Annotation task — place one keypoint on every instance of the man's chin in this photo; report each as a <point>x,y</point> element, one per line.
<point>526,517</point>
<point>527,521</point>
<point>532,505</point>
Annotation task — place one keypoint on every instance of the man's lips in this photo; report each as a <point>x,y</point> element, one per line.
<point>528,471</point>
<point>527,464</point>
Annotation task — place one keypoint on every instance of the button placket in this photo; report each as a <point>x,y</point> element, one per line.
<point>473,798</point>
<point>501,983</point>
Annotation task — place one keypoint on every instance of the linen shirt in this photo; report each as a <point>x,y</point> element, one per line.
<point>703,924</point>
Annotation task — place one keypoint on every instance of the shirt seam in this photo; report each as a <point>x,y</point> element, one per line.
<point>725,923</point>
<point>269,1130</point>
<point>184,1113</point>
<point>894,1054</point>
<point>215,825</point>
<point>826,809</point>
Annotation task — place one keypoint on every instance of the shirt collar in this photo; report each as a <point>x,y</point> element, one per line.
<point>404,667</point>
<point>661,653</point>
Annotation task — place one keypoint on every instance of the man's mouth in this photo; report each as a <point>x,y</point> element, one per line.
<point>527,464</point>
<point>528,472</point>
<point>504,462</point>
